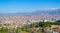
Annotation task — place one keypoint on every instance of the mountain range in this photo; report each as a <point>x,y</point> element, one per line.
<point>37,12</point>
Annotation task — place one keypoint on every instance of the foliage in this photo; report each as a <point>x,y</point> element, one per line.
<point>58,21</point>
<point>28,28</point>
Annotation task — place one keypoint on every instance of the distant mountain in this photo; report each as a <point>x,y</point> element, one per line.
<point>38,12</point>
<point>48,11</point>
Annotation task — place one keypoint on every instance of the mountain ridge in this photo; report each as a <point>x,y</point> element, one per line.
<point>38,12</point>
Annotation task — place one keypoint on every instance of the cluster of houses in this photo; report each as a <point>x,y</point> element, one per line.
<point>53,29</point>
<point>22,20</point>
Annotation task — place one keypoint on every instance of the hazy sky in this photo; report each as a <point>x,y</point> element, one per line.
<point>14,6</point>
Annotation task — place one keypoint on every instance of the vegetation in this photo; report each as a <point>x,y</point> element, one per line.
<point>31,28</point>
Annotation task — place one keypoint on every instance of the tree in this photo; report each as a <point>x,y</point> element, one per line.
<point>58,21</point>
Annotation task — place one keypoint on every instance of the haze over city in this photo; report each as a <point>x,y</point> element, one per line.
<point>29,16</point>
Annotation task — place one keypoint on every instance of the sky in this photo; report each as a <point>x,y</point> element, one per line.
<point>15,6</point>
